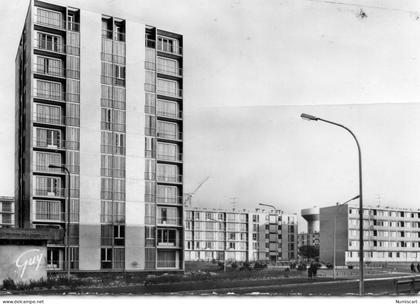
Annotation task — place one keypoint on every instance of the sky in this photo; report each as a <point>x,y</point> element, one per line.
<point>250,69</point>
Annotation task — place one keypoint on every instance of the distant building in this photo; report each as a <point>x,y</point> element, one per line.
<point>7,210</point>
<point>390,235</point>
<point>311,237</point>
<point>239,235</point>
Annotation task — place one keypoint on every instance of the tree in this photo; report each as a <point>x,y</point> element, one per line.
<point>309,252</point>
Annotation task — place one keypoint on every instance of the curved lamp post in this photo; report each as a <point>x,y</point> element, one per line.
<point>314,118</point>
<point>67,218</point>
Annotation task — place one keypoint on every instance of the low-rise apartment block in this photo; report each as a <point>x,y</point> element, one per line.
<point>390,235</point>
<point>239,235</point>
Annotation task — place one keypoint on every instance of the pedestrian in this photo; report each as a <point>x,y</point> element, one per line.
<point>310,272</point>
<point>418,267</point>
<point>412,268</point>
<point>314,270</point>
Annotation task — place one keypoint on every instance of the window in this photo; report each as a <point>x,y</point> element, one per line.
<point>167,194</point>
<point>166,151</point>
<point>166,259</point>
<point>49,17</point>
<point>48,210</point>
<point>48,90</point>
<point>49,66</point>
<point>106,258</point>
<point>167,66</point>
<point>167,173</point>
<point>167,237</point>
<point>167,109</point>
<point>119,235</point>
<point>53,258</point>
<point>167,45</point>
<point>49,42</point>
<point>47,186</point>
<point>119,74</point>
<point>167,87</point>
<point>231,245</point>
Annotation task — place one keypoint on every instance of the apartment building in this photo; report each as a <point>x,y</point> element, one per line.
<point>239,235</point>
<point>390,234</point>
<point>99,97</point>
<point>7,210</point>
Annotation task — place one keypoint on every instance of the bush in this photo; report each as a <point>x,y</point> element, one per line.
<point>9,284</point>
<point>350,267</point>
<point>259,265</point>
<point>330,266</point>
<point>234,265</point>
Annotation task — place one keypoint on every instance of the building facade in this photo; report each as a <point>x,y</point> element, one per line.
<point>390,235</point>
<point>7,211</point>
<point>239,235</point>
<point>102,96</point>
<point>308,239</point>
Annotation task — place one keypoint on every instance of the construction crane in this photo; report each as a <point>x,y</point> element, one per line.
<point>188,196</point>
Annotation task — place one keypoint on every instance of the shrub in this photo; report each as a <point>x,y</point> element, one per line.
<point>350,267</point>
<point>9,284</point>
<point>259,265</point>
<point>234,265</point>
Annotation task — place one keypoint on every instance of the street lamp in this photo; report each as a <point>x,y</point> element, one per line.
<point>335,228</point>
<point>314,118</point>
<point>276,211</point>
<point>67,218</point>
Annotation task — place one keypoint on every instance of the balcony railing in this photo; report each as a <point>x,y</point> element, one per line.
<point>174,115</point>
<point>50,71</point>
<point>149,175</point>
<point>72,121</point>
<point>73,26</point>
<point>150,131</point>
<point>149,109</point>
<point>111,126</point>
<point>164,69</point>
<point>56,144</point>
<point>149,87</point>
<point>110,149</point>
<point>170,221</point>
<point>170,200</point>
<point>51,217</point>
<point>50,22</point>
<point>149,198</point>
<point>172,93</point>
<point>50,144</point>
<point>46,168</point>
<point>56,192</point>
<point>117,36</point>
<point>112,81</point>
<point>170,157</point>
<point>113,58</point>
<point>110,103</point>
<point>113,195</point>
<point>113,172</point>
<point>169,49</point>
<point>56,47</point>
<point>167,135</point>
<point>150,153</point>
<point>46,94</point>
<point>169,179</point>
<point>149,65</point>
<point>49,119</point>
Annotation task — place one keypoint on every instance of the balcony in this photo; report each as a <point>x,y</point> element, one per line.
<point>149,198</point>
<point>50,217</point>
<point>110,103</point>
<point>49,71</point>
<point>149,109</point>
<point>150,43</point>
<point>169,221</point>
<point>56,144</point>
<point>170,158</point>
<point>117,36</point>
<point>149,153</point>
<point>167,114</point>
<point>149,87</point>
<point>169,48</point>
<point>44,168</point>
<point>113,58</point>
<point>49,119</point>
<point>111,149</point>
<point>49,95</point>
<point>171,71</point>
<point>149,175</point>
<point>73,26</point>
<point>169,179</point>
<point>50,22</point>
<point>148,65</point>
<point>150,131</point>
<point>111,126</point>
<point>112,81</point>
<point>171,93</point>
<point>113,172</point>
<point>54,192</point>
<point>56,47</point>
<point>113,195</point>
<point>170,200</point>
<point>169,135</point>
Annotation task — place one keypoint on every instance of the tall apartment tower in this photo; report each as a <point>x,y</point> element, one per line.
<point>102,96</point>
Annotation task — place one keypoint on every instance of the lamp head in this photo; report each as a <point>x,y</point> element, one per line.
<point>308,117</point>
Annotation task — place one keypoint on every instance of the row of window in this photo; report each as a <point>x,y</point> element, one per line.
<point>384,254</point>
<point>221,216</point>
<point>386,244</point>
<point>376,212</point>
